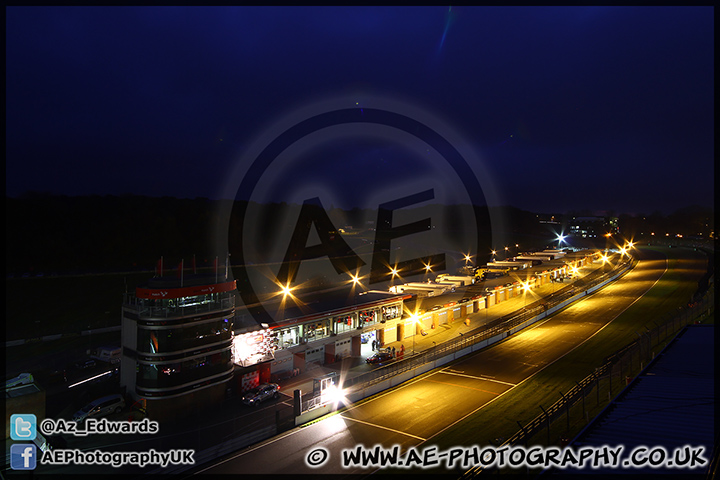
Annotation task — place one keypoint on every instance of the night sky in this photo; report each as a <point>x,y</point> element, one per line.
<point>567,108</point>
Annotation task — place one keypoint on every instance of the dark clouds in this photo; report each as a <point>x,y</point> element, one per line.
<point>613,103</point>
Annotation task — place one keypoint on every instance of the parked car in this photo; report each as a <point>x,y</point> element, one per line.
<point>379,358</point>
<point>261,393</point>
<point>100,407</point>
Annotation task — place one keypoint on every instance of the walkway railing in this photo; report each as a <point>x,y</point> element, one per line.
<point>599,387</point>
<point>496,327</point>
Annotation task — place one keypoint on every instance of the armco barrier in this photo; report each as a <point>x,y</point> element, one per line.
<point>570,300</point>
<point>219,450</point>
<point>404,370</point>
<point>622,360</point>
<point>377,380</point>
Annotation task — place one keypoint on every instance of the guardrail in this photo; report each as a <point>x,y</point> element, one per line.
<point>311,403</point>
<point>618,367</point>
<point>224,447</point>
<point>500,327</point>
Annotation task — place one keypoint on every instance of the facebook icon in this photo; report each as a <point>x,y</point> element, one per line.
<point>23,456</point>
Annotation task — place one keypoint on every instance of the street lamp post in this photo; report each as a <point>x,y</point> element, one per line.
<point>607,242</point>
<point>526,289</point>
<point>416,322</point>
<point>414,332</point>
<point>560,239</point>
<point>468,258</point>
<point>394,273</point>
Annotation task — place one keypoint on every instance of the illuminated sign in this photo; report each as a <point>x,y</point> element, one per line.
<point>254,347</point>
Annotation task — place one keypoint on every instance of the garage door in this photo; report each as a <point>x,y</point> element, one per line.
<point>343,348</point>
<point>390,335</point>
<point>315,355</point>
<point>409,329</point>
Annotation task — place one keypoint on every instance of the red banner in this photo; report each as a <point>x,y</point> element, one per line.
<point>161,293</point>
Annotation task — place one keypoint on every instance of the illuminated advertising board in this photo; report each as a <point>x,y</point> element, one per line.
<point>254,347</point>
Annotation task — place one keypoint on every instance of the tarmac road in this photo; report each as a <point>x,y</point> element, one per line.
<point>414,412</point>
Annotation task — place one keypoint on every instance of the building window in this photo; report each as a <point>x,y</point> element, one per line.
<point>345,323</point>
<point>183,337</point>
<point>390,312</point>
<point>367,317</point>
<point>168,375</point>
<point>318,330</point>
<point>288,337</point>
